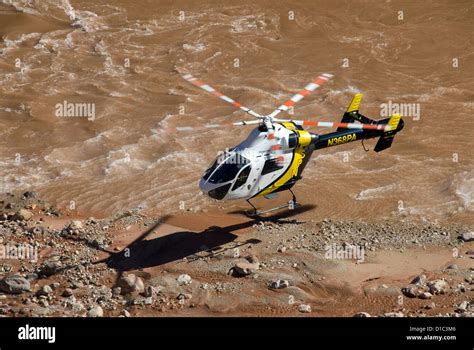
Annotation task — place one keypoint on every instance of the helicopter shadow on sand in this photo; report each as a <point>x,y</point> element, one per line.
<point>176,246</point>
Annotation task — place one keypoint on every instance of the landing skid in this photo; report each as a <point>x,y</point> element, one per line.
<point>291,205</point>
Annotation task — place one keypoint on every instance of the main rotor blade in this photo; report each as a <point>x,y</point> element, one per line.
<point>383,127</point>
<point>211,126</point>
<point>300,95</point>
<point>219,94</point>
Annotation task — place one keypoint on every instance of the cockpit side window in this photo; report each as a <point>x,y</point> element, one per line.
<point>242,178</point>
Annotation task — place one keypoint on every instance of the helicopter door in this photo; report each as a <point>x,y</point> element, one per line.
<point>242,178</point>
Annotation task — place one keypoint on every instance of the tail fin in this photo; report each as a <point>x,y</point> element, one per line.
<point>354,106</point>
<point>395,124</point>
<point>352,114</point>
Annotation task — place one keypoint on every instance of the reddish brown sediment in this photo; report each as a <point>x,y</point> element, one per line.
<point>95,255</point>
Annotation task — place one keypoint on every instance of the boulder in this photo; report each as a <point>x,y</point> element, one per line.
<point>149,291</point>
<point>15,285</point>
<point>438,286</point>
<point>45,290</point>
<point>30,194</point>
<point>96,311</point>
<point>411,291</point>
<point>184,279</point>
<point>130,284</point>
<point>245,268</point>
<point>419,280</point>
<point>50,267</point>
<point>425,295</point>
<point>362,314</point>
<point>23,214</point>
<point>279,284</point>
<point>304,308</point>
<point>394,314</point>
<point>125,313</point>
<point>467,236</point>
<point>67,292</point>
<point>462,306</point>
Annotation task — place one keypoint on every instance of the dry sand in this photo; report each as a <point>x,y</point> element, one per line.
<point>148,256</point>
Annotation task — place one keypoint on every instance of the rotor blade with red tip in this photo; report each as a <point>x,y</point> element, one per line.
<point>210,89</point>
<point>211,126</point>
<point>383,127</point>
<point>300,95</point>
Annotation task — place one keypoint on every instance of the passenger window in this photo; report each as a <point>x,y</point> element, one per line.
<point>270,166</point>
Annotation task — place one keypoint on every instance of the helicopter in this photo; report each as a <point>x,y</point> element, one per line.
<point>272,158</point>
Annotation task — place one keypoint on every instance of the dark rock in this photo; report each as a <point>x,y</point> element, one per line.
<point>50,267</point>
<point>15,285</point>
<point>411,291</point>
<point>419,280</point>
<point>279,284</point>
<point>362,314</point>
<point>45,290</point>
<point>30,194</point>
<point>67,293</point>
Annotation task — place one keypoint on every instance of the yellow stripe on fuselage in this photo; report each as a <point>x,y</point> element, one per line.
<point>298,155</point>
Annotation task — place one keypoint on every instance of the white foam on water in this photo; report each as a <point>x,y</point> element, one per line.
<point>347,39</point>
<point>69,10</point>
<point>24,175</point>
<point>373,193</point>
<point>463,184</point>
<point>86,20</point>
<point>14,43</point>
<point>21,6</point>
<point>198,47</point>
<point>110,68</point>
<point>216,54</point>
<point>181,159</point>
<point>351,89</point>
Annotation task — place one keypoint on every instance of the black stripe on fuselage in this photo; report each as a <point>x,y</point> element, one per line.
<point>344,136</point>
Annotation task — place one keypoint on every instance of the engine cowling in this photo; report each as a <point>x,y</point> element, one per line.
<point>298,138</point>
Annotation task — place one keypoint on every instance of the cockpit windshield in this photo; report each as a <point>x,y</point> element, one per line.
<point>227,169</point>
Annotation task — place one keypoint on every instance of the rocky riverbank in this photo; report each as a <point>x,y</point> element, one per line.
<point>57,263</point>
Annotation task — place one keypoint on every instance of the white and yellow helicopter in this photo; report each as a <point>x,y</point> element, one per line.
<point>275,153</point>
